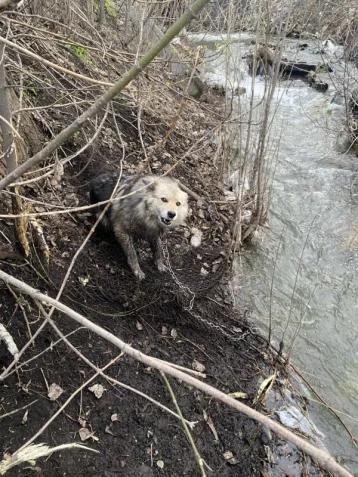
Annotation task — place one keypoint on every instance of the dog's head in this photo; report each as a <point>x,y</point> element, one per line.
<point>167,201</point>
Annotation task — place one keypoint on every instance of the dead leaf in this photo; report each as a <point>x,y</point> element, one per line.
<point>270,455</point>
<point>230,459</point>
<point>160,464</point>
<point>210,423</point>
<point>97,390</point>
<point>196,237</point>
<point>107,430</point>
<point>265,388</point>
<point>198,366</point>
<point>84,433</point>
<point>54,392</point>
<point>228,455</point>
<point>84,280</point>
<point>238,395</point>
<point>82,422</point>
<point>24,419</point>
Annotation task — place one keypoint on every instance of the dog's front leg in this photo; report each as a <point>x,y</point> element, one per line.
<point>157,249</point>
<point>126,242</point>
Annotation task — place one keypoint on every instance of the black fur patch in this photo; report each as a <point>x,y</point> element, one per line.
<point>101,187</point>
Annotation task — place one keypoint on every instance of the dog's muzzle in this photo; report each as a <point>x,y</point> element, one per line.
<point>166,222</point>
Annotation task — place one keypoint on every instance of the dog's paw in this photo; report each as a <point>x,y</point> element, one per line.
<point>161,266</point>
<point>139,274</point>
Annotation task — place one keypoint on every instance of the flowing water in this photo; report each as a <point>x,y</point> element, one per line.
<point>313,218</point>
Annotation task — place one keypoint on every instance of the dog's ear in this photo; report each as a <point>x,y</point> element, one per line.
<point>181,187</point>
<point>149,183</point>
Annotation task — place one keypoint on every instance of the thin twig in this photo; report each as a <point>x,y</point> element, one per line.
<point>186,429</point>
<point>17,410</point>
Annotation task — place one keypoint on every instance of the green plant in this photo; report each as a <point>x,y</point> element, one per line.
<point>79,51</point>
<point>30,92</point>
<point>77,138</point>
<point>110,8</point>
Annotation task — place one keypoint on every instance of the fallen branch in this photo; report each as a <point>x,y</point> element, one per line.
<point>9,341</point>
<point>34,452</point>
<point>320,456</point>
<point>186,429</point>
<point>40,241</point>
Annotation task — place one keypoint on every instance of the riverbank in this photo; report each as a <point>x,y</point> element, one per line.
<point>149,126</point>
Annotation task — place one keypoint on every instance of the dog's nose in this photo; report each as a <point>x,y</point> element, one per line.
<point>171,215</point>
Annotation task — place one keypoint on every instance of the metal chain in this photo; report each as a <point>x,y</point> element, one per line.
<point>187,292</point>
<point>185,289</point>
<point>221,328</point>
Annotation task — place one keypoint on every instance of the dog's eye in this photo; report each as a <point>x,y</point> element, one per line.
<point>178,204</point>
<point>164,199</point>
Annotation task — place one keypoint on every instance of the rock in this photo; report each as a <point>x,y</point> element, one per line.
<point>324,68</point>
<point>337,98</point>
<point>327,46</point>
<point>260,59</point>
<point>299,69</point>
<point>311,77</point>
<point>320,86</point>
<point>219,89</point>
<point>293,418</point>
<point>195,239</point>
<point>196,88</point>
<point>240,90</point>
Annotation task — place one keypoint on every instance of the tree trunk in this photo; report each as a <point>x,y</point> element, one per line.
<point>10,157</point>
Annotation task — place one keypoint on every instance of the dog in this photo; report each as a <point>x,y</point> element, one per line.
<point>151,205</point>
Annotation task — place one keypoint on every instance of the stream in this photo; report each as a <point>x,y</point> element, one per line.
<point>313,219</point>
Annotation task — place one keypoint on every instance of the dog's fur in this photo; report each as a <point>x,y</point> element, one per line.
<point>156,204</point>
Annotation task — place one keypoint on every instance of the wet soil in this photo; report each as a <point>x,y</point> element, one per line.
<point>140,436</point>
